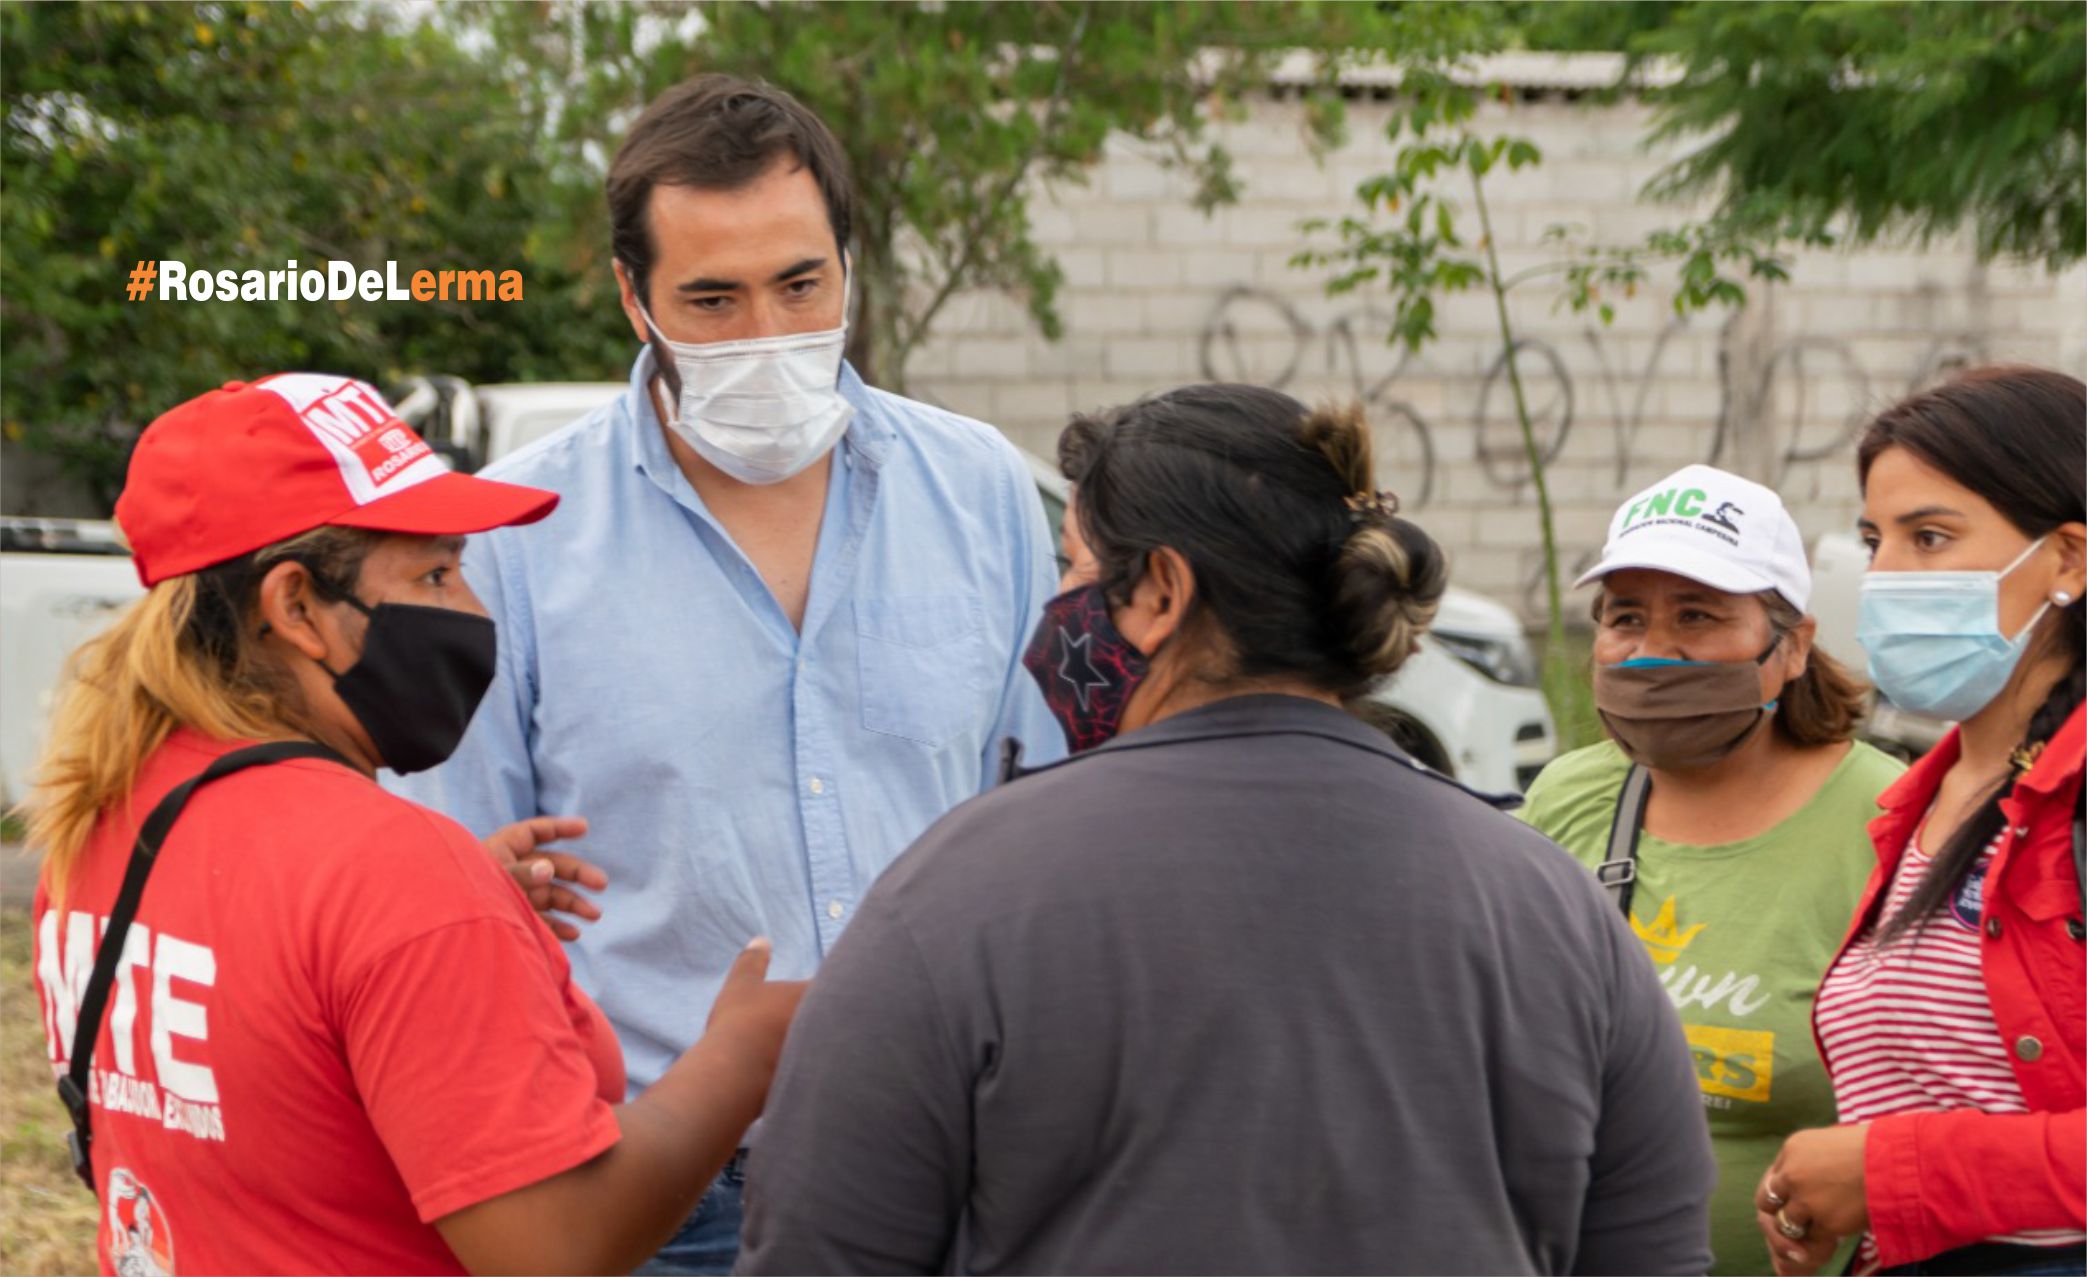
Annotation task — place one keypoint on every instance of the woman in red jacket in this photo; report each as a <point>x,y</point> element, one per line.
<point>1951,1022</point>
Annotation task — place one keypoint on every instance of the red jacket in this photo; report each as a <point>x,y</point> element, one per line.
<point>1943,1179</point>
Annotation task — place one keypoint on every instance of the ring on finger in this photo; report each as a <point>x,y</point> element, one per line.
<point>1776,1201</point>
<point>1795,1232</point>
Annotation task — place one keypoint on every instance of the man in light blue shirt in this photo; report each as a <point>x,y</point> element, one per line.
<point>775,628</point>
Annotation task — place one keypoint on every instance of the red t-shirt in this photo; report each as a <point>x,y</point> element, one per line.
<point>337,1020</point>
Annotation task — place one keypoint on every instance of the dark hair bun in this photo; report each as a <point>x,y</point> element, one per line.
<point>1307,571</point>
<point>1389,576</point>
<point>1388,584</point>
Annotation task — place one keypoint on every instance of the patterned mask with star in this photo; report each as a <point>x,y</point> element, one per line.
<point>1087,669</point>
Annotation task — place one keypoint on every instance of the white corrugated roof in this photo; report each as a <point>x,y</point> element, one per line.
<point>1582,71</point>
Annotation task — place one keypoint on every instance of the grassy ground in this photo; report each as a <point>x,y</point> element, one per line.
<point>47,1220</point>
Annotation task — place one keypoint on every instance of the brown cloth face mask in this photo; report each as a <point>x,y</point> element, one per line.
<point>1681,715</point>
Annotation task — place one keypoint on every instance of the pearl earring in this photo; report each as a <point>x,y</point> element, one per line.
<point>2061,598</point>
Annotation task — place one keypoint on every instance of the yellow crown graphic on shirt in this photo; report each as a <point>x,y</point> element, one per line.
<point>1663,940</point>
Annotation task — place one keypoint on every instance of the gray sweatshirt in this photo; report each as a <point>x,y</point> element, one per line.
<point>1245,991</point>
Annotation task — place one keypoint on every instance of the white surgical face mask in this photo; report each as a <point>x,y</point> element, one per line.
<point>1934,638</point>
<point>763,409</point>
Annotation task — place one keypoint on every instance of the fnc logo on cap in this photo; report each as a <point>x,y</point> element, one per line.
<point>1683,506</point>
<point>378,454</point>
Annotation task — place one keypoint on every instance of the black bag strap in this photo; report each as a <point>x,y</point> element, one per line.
<point>2080,848</point>
<point>1619,873</point>
<point>152,835</point>
<point>1010,762</point>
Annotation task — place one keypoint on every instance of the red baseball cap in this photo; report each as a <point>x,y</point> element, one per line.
<point>250,464</point>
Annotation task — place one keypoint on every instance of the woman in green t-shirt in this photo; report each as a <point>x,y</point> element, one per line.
<point>1751,846</point>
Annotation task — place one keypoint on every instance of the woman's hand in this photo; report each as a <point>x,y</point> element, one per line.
<point>1796,1258</point>
<point>542,875</point>
<point>611,1212</point>
<point>752,1013</point>
<point>1814,1190</point>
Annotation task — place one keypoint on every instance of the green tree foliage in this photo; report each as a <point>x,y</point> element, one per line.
<point>1866,121</point>
<point>235,136</point>
<point>238,135</point>
<point>954,115</point>
<point>1409,240</point>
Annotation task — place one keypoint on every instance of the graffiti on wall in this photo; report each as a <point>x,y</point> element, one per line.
<point>1802,399</point>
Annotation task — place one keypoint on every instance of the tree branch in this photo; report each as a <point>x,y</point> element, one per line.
<point>968,258</point>
<point>1604,258</point>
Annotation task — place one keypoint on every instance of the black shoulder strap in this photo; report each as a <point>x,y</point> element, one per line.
<point>1010,761</point>
<point>152,835</point>
<point>2080,847</point>
<point>1619,873</point>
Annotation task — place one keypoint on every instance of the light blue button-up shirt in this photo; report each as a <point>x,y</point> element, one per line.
<point>742,778</point>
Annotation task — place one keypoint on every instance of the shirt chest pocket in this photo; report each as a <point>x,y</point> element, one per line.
<point>926,675</point>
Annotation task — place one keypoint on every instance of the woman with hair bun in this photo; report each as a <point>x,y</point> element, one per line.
<point>1238,986</point>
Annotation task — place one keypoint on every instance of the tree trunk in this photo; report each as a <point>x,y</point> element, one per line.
<point>879,297</point>
<point>1564,690</point>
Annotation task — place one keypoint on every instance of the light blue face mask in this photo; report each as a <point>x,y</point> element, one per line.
<point>1934,639</point>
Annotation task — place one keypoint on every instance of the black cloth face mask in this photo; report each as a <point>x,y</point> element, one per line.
<point>422,673</point>
<point>1085,666</point>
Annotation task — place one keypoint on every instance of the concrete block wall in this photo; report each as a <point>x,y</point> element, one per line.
<point>1157,295</point>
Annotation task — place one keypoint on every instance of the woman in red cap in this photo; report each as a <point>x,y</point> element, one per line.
<point>331,1036</point>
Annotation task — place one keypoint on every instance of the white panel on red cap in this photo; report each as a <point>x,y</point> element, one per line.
<point>378,454</point>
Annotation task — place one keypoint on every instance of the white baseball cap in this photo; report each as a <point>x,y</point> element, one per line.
<point>1700,522</point>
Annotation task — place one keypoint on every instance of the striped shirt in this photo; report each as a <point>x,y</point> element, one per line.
<point>1908,1027</point>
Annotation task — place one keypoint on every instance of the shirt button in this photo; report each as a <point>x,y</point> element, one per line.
<point>817,786</point>
<point>2028,1049</point>
<point>1993,927</point>
<point>836,909</point>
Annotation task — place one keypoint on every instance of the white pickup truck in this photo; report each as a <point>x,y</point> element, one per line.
<point>1466,703</point>
<point>61,580</point>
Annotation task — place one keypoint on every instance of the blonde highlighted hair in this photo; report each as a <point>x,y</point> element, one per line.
<point>188,654</point>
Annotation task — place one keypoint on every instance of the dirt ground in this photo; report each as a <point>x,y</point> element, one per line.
<point>47,1220</point>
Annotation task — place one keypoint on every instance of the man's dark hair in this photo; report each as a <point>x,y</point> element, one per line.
<point>718,133</point>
